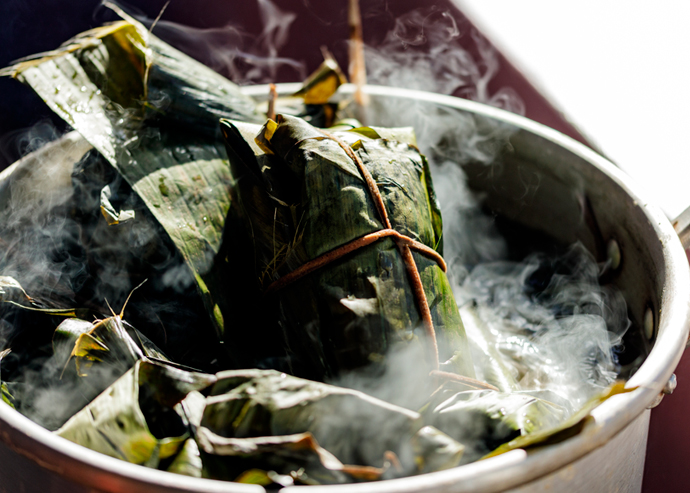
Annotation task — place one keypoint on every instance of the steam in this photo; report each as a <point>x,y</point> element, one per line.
<point>470,237</point>
<point>33,231</point>
<point>231,51</point>
<point>554,327</point>
<point>423,52</point>
<point>547,322</point>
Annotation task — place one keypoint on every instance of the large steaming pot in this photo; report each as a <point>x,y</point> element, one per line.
<point>547,182</point>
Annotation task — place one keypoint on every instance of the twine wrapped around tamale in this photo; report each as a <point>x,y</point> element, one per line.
<point>347,237</point>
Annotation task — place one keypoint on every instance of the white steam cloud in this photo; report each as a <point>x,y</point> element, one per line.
<point>231,51</point>
<point>424,52</point>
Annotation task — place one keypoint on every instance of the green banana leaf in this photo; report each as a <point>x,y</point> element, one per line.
<point>322,83</point>
<point>188,460</point>
<point>489,361</point>
<point>485,419</point>
<point>316,92</point>
<point>264,478</point>
<point>152,112</point>
<point>312,101</point>
<point>302,196</point>
<point>105,341</point>
<point>252,460</point>
<point>134,419</point>
<point>564,429</point>
<point>111,215</point>
<point>12,293</point>
<point>76,338</point>
<point>87,358</point>
<point>354,427</point>
<point>110,260</point>
<point>436,451</point>
<point>7,396</point>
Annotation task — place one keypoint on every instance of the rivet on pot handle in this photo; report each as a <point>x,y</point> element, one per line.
<point>667,390</point>
<point>670,385</point>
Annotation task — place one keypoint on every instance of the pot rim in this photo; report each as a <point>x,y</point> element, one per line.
<point>507,470</point>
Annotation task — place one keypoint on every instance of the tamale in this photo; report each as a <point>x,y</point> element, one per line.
<point>303,197</point>
<point>152,112</point>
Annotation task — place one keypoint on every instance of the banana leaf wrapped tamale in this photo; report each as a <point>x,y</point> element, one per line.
<point>152,112</point>
<point>310,208</point>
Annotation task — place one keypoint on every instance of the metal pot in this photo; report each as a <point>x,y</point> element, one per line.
<point>547,182</point>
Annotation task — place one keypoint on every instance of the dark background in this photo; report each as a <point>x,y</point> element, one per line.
<point>33,26</point>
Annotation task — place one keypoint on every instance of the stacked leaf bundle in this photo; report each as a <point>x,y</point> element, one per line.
<point>331,217</point>
<point>310,252</point>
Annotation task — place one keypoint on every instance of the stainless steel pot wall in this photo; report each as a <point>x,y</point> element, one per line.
<point>547,182</point>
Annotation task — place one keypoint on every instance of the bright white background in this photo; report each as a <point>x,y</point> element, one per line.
<point>620,71</point>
